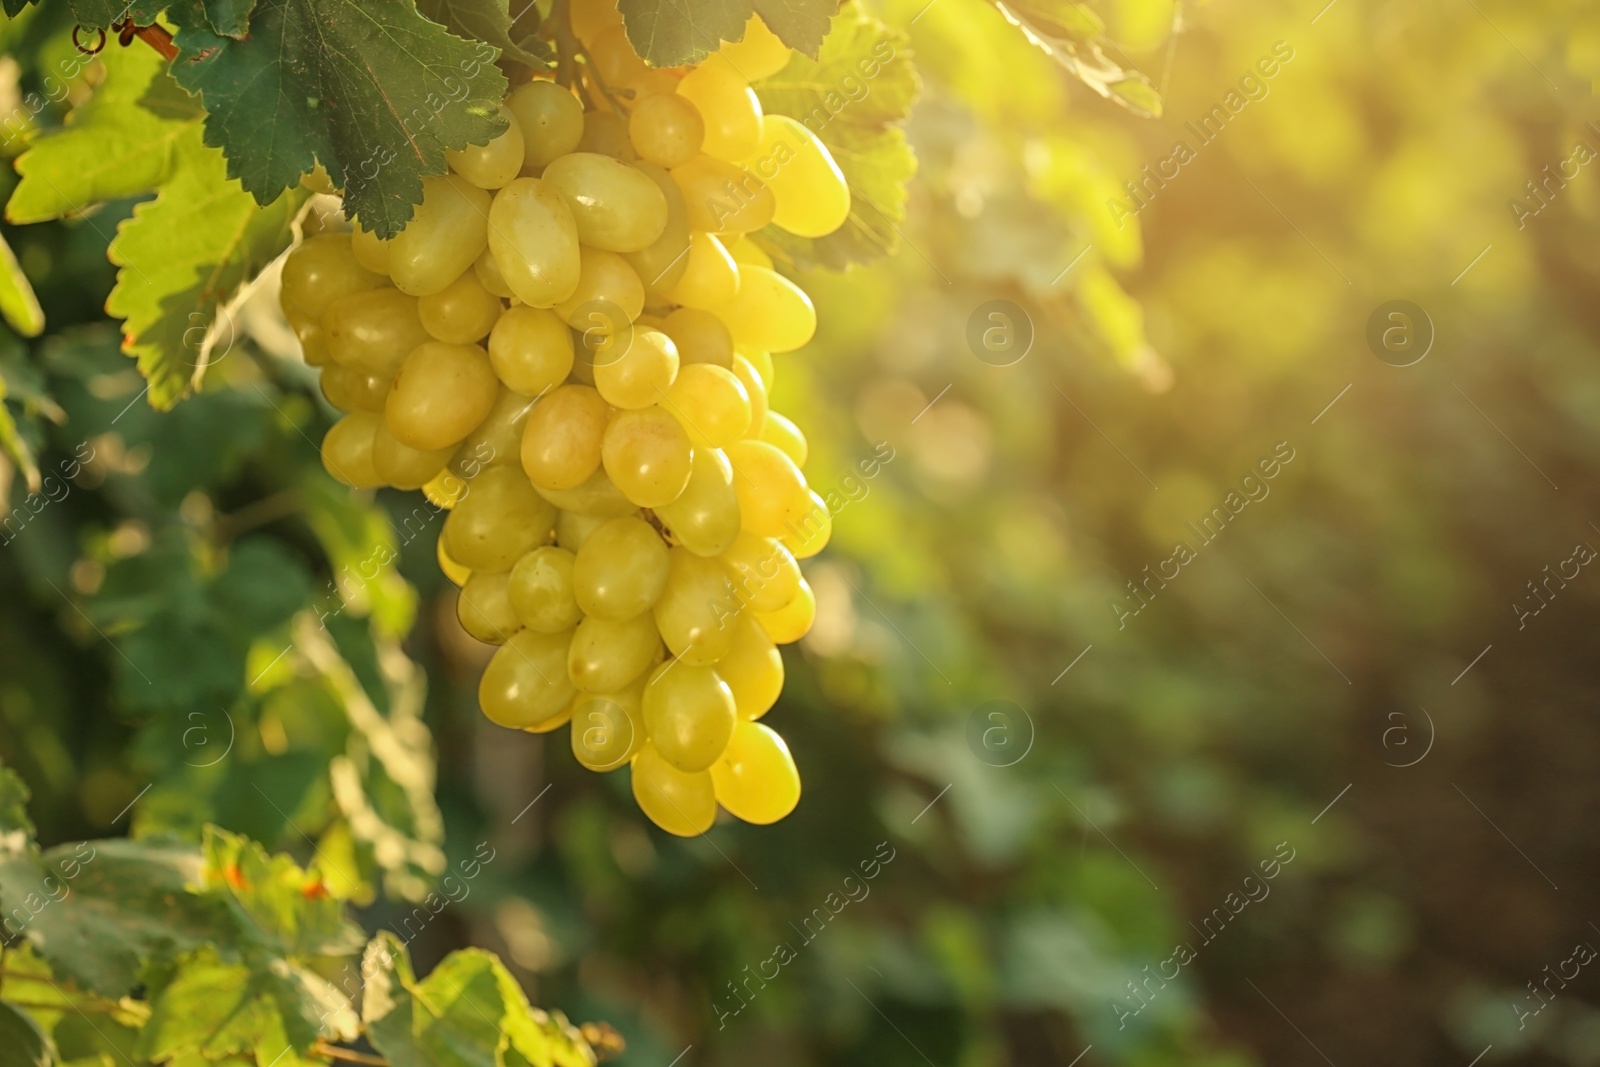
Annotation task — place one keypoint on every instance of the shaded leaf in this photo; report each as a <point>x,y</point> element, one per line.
<point>489,21</point>
<point>22,1043</point>
<point>1074,36</point>
<point>800,24</point>
<point>16,829</point>
<point>230,18</point>
<point>18,304</point>
<point>666,33</point>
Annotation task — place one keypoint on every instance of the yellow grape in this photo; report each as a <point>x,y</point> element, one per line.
<point>756,779</point>
<point>492,165</point>
<point>758,54</point>
<point>809,193</point>
<point>641,374</point>
<point>525,686</point>
<point>312,338</point>
<point>647,455</point>
<point>321,270</point>
<point>540,589</point>
<point>596,497</point>
<point>770,313</point>
<point>371,251</point>
<point>711,277</point>
<point>561,441</point>
<point>374,331</point>
<point>778,430</point>
<point>445,490</point>
<point>663,261</point>
<point>621,570</point>
<point>689,714</point>
<point>728,109</point>
<point>347,450</point>
<point>792,621</point>
<point>363,391</point>
<point>606,287</point>
<point>607,654</point>
<point>572,529</point>
<point>441,393</point>
<point>772,491</point>
<point>531,349</point>
<point>711,403</point>
<point>447,232</point>
<point>489,276</point>
<point>809,534</point>
<point>755,390</point>
<point>620,67</point>
<point>483,607</point>
<point>705,518</point>
<point>550,118</point>
<point>497,440</point>
<point>762,362</point>
<point>765,575</point>
<point>616,207</point>
<point>679,803</point>
<point>753,669</point>
<point>608,728</point>
<point>331,381</point>
<point>745,250</point>
<point>700,336</point>
<point>461,313</point>
<point>606,132</point>
<point>721,197</point>
<point>500,520</point>
<point>666,129</point>
<point>590,18</point>
<point>697,608</point>
<point>448,566</point>
<point>402,466</point>
<point>534,241</point>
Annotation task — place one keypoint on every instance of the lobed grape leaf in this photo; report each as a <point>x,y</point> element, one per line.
<point>852,96</point>
<point>13,8</point>
<point>490,21</point>
<point>373,91</point>
<point>16,828</point>
<point>1074,36</point>
<point>18,304</point>
<point>280,906</point>
<point>103,14</point>
<point>800,24</point>
<point>230,18</point>
<point>669,33</point>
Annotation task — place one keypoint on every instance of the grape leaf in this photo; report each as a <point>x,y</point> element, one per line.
<point>18,304</point>
<point>280,906</point>
<point>111,146</point>
<point>13,8</point>
<point>103,14</point>
<point>489,21</point>
<point>182,257</point>
<point>16,829</point>
<point>24,1044</point>
<point>1074,36</point>
<point>373,91</point>
<point>230,18</point>
<point>668,33</point>
<point>852,96</point>
<point>800,24</point>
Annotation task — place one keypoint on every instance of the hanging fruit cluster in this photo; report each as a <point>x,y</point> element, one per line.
<point>571,346</point>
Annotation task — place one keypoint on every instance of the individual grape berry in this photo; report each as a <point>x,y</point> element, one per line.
<point>756,779</point>
<point>620,570</point>
<point>689,714</point>
<point>647,455</point>
<point>440,394</point>
<point>483,607</point>
<point>679,802</point>
<point>534,240</point>
<point>525,685</point>
<point>616,207</point>
<point>448,231</point>
<point>666,129</point>
<point>541,591</point>
<point>550,119</point>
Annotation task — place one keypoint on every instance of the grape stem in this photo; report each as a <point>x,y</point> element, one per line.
<point>568,50</point>
<point>154,36</point>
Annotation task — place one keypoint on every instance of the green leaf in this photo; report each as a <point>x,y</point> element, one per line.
<point>800,24</point>
<point>852,96</point>
<point>230,18</point>
<point>373,91</point>
<point>13,8</point>
<point>111,147</point>
<point>13,444</point>
<point>215,1009</point>
<point>16,829</point>
<point>22,1043</point>
<point>183,256</point>
<point>103,14</point>
<point>18,304</point>
<point>1074,36</point>
<point>666,33</point>
<point>281,907</point>
<point>489,21</point>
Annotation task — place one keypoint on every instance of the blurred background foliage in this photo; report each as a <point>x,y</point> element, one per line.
<point>161,590</point>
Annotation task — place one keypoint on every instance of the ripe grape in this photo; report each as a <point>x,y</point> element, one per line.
<point>499,520</point>
<point>711,403</point>
<point>525,684</point>
<point>448,232</point>
<point>550,119</point>
<point>809,193</point>
<point>616,207</point>
<point>647,455</point>
<point>721,197</point>
<point>770,312</point>
<point>710,276</point>
<point>696,609</point>
<point>440,394</point>
<point>666,129</point>
<point>494,164</point>
<point>347,450</point>
<point>756,778</point>
<point>641,374</point>
<point>531,349</point>
<point>561,440</point>
<point>689,714</point>
<point>792,621</point>
<point>728,108</point>
<point>373,330</point>
<point>461,313</point>
<point>679,802</point>
<point>758,54</point>
<point>772,492</point>
<point>620,570</point>
<point>607,654</point>
<point>483,607</point>
<point>705,517</point>
<point>534,240</point>
<point>753,669</point>
<point>608,728</point>
<point>778,430</point>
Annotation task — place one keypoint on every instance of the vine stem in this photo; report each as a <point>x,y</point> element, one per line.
<point>154,36</point>
<point>339,1052</point>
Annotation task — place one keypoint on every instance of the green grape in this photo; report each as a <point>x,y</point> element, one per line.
<point>483,607</point>
<point>689,714</point>
<point>647,455</point>
<point>448,566</point>
<point>550,118</point>
<point>697,608</point>
<point>728,108</point>
<point>679,803</point>
<point>572,529</point>
<point>810,197</point>
<point>331,381</point>
<point>700,336</point>
<point>374,331</point>
<point>446,233</point>
<point>770,313</point>
<point>663,261</point>
<point>608,728</point>
<point>780,431</point>
<point>402,466</point>
<point>489,276</point>
<point>753,669</point>
<point>371,251</point>
<point>756,779</point>
<point>606,133</point>
<point>666,129</point>
<point>705,518</point>
<point>498,521</point>
<point>561,441</point>
<point>441,393</point>
<point>541,590</point>
<point>525,686</point>
<point>534,241</point>
<point>347,450</point>
<point>792,621</point>
<point>321,270</point>
<point>711,277</point>
<point>461,313</point>
<point>711,403</point>
<point>596,498</point>
<point>765,575</point>
<point>772,492</point>
<point>492,165</point>
<point>620,67</point>
<point>642,374</point>
<point>604,277</point>
<point>313,340</point>
<point>497,440</point>
<point>531,349</point>
<point>721,197</point>
<point>616,207</point>
<point>621,570</point>
<point>761,361</point>
<point>744,250</point>
<point>607,654</point>
<point>363,391</point>
<point>809,534</point>
<point>755,390</point>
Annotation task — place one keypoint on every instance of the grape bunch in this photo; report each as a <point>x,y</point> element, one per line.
<point>570,347</point>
